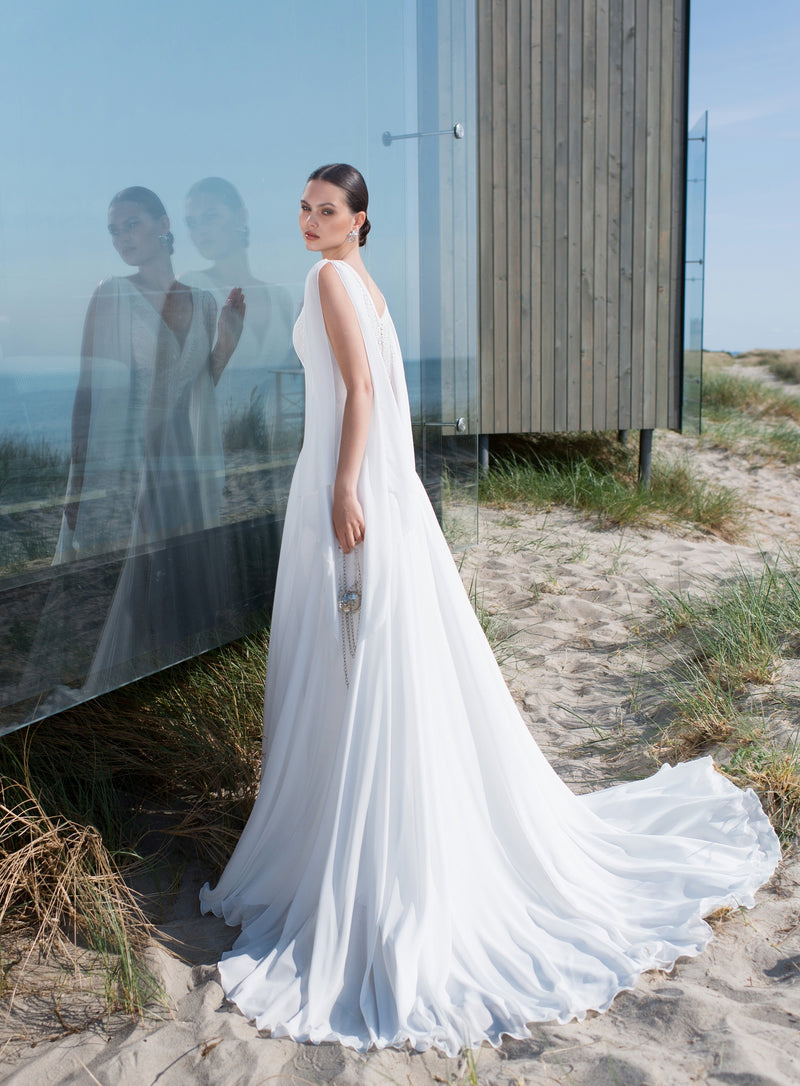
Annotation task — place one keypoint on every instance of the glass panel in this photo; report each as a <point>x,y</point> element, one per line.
<point>141,502</point>
<point>448,433</point>
<point>694,276</point>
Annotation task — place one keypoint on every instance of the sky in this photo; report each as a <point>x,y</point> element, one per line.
<point>100,95</point>
<point>743,70</point>
<point>103,94</point>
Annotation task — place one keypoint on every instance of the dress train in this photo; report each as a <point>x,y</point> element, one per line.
<point>413,869</point>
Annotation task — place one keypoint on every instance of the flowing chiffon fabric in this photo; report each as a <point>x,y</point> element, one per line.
<point>161,603</point>
<point>131,367</point>
<point>413,869</point>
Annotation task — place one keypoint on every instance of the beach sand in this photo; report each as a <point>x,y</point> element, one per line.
<point>570,603</point>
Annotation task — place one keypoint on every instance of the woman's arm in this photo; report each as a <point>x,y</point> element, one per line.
<point>344,333</point>
<point>82,413</point>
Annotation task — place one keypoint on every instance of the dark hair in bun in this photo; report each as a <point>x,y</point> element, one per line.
<point>219,189</point>
<point>354,187</point>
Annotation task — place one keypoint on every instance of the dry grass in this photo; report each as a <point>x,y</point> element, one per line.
<point>61,885</point>
<point>81,791</point>
<point>783,365</point>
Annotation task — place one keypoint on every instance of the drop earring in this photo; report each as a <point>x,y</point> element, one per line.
<point>353,235</point>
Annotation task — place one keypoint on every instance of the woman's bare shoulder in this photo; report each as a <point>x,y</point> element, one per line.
<point>333,293</point>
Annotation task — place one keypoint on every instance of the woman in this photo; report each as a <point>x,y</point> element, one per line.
<point>264,360</point>
<point>146,338</point>
<point>146,446</point>
<point>413,869</point>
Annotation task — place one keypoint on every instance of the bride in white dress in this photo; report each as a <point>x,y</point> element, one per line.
<point>413,870</point>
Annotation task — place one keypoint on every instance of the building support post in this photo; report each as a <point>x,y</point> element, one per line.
<point>483,453</point>
<point>645,457</point>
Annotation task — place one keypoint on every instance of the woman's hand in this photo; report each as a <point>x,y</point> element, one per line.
<point>348,519</point>
<point>229,331</point>
<point>71,513</point>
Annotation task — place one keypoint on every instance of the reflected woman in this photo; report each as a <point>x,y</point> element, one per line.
<point>264,362</point>
<point>146,444</point>
<point>147,368</point>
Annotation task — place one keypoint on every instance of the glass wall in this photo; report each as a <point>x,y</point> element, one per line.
<point>694,276</point>
<point>143,468</point>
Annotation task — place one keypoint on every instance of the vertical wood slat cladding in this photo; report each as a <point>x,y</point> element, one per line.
<point>581,107</point>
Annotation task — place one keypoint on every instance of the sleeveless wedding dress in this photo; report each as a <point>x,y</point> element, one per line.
<point>413,869</point>
<point>163,605</point>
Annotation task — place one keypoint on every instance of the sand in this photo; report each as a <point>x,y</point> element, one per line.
<point>571,603</point>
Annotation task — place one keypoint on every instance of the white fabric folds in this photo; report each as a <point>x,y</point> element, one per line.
<point>413,869</point>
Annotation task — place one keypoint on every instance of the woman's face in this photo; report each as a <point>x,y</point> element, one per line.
<point>325,219</point>
<point>135,233</point>
<point>216,229</point>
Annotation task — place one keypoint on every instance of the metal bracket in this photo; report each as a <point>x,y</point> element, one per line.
<point>457,132</point>
<point>460,425</point>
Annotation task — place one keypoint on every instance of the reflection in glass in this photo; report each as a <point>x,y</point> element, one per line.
<point>146,446</point>
<point>694,276</point>
<point>415,70</point>
<point>261,391</point>
<point>145,350</point>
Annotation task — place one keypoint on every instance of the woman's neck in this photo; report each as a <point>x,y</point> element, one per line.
<point>231,271</point>
<point>349,253</point>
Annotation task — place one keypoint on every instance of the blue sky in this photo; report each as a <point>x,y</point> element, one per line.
<point>744,71</point>
<point>103,94</point>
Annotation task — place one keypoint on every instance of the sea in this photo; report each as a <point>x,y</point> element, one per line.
<point>36,396</point>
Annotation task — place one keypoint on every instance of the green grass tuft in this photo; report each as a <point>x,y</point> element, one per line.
<point>726,394</point>
<point>596,474</point>
<point>733,638</point>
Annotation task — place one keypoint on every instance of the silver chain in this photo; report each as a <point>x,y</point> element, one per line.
<point>349,608</point>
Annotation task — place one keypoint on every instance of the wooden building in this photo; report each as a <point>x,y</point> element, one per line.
<point>582,108</point>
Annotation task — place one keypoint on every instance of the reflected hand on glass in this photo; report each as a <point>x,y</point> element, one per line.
<point>229,331</point>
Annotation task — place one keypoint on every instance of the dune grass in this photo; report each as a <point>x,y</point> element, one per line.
<point>725,393</point>
<point>174,756</point>
<point>32,474</point>
<point>753,419</point>
<point>723,693</point>
<point>785,369</point>
<point>784,365</point>
<point>30,467</point>
<point>244,427</point>
<point>595,473</point>
<point>60,881</point>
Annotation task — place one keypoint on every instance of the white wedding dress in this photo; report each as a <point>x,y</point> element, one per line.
<point>413,869</point>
